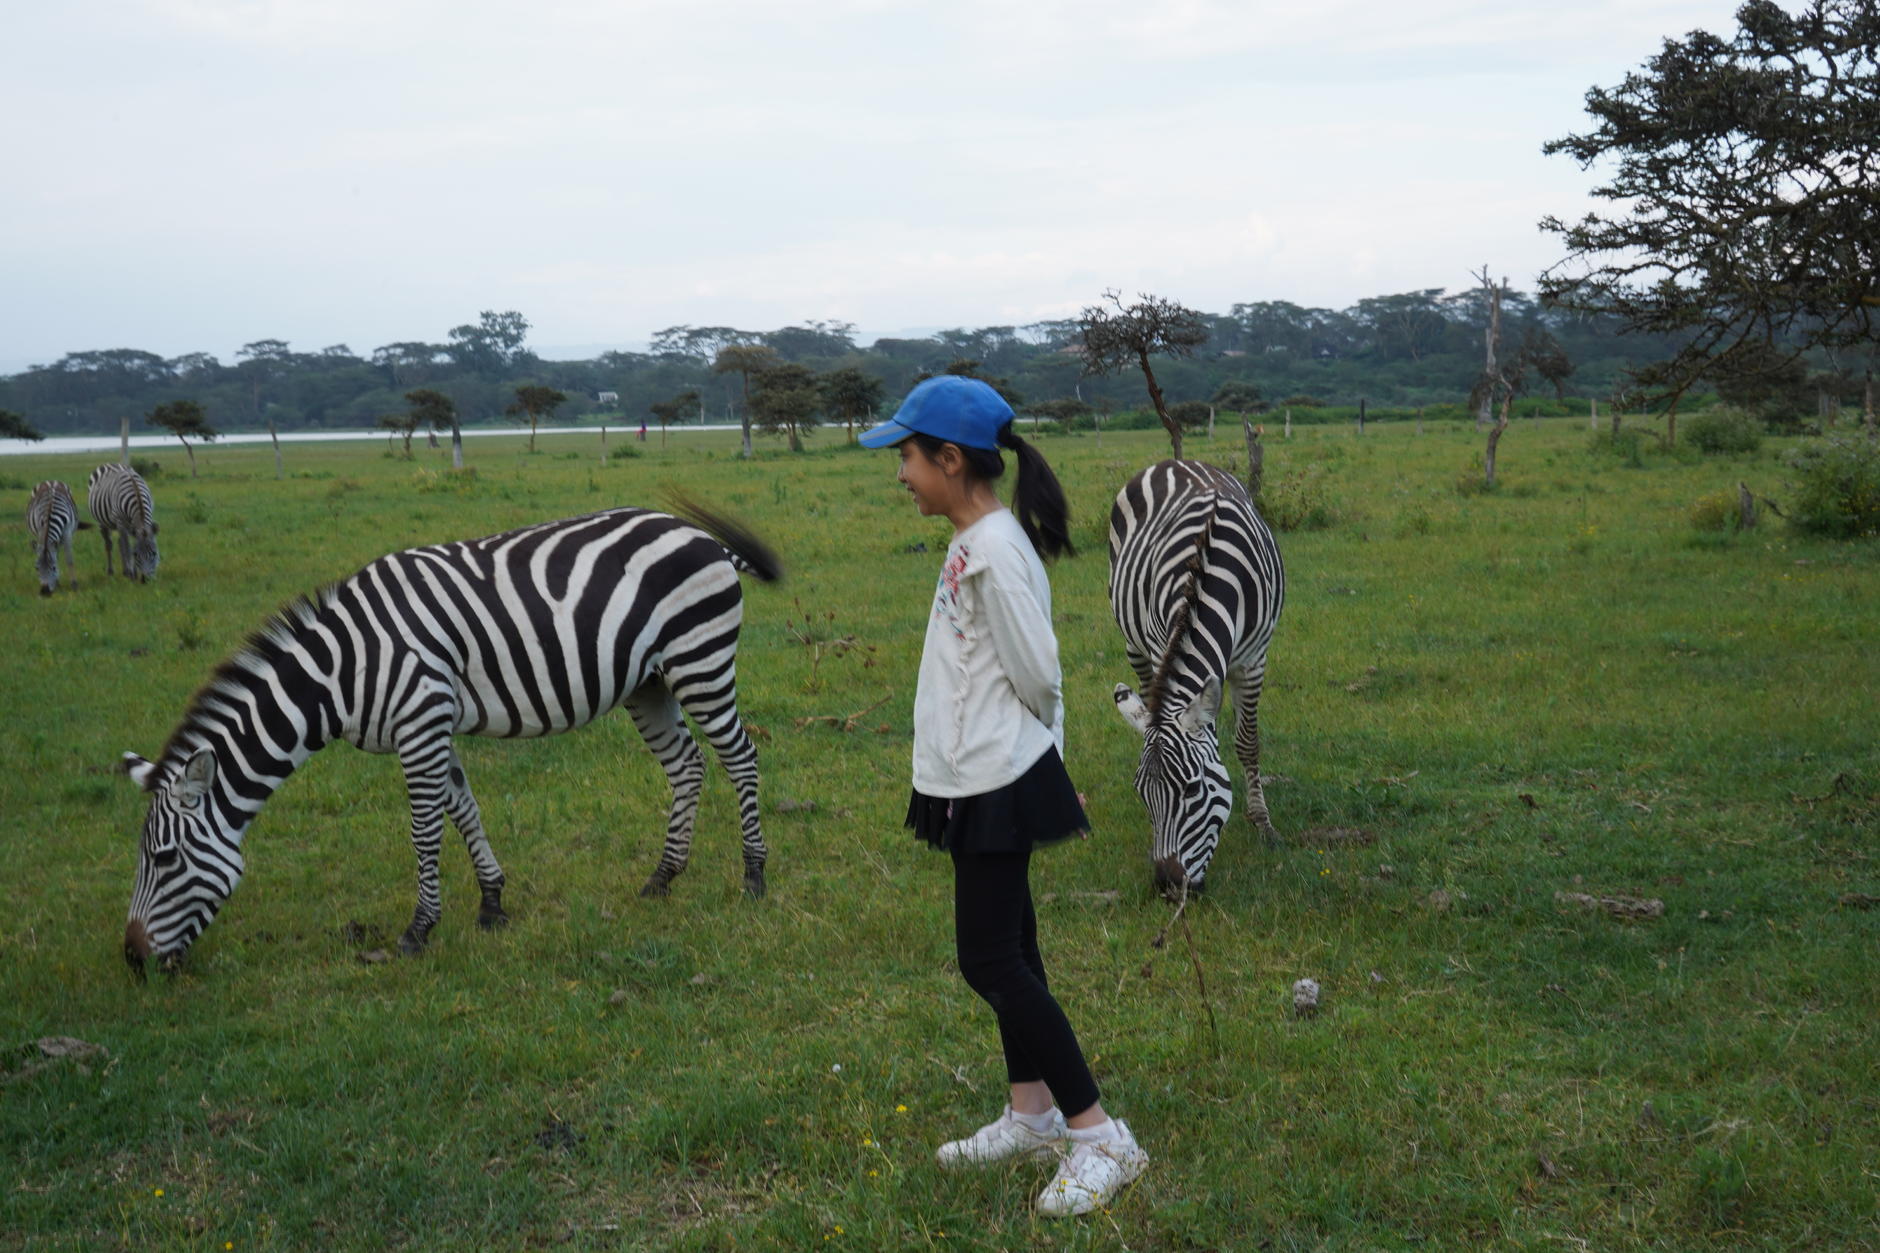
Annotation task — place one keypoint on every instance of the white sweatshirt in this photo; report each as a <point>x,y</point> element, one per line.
<point>990,698</point>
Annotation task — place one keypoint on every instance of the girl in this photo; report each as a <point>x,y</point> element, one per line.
<point>989,778</point>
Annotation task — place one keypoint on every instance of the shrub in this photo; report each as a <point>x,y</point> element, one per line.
<point>1836,489</point>
<point>1297,502</point>
<point>1722,430</point>
<point>1474,480</point>
<point>150,467</point>
<point>1627,444</point>
<point>1716,512</point>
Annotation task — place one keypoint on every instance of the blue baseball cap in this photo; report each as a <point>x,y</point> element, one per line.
<point>949,407</point>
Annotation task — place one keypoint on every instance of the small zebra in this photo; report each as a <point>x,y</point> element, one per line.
<point>51,517</point>
<point>1196,585</point>
<point>120,501</point>
<point>528,633</point>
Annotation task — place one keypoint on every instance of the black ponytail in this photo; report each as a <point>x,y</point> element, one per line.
<point>1038,498</point>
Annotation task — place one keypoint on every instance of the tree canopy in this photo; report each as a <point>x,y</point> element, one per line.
<point>1118,336</point>
<point>14,426</point>
<point>1745,187</point>
<point>183,418</point>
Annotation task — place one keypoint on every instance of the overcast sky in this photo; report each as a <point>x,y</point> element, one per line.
<point>191,175</point>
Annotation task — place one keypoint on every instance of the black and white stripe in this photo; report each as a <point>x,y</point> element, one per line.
<point>120,501</point>
<point>1196,585</point>
<point>528,633</point>
<point>51,517</point>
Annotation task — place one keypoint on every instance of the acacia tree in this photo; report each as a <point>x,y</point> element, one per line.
<point>433,409</point>
<point>670,411</point>
<point>533,403</point>
<point>745,360</point>
<point>785,401</point>
<point>1119,336</point>
<point>1745,188</point>
<point>15,426</point>
<point>402,424</point>
<point>848,394</point>
<point>183,418</point>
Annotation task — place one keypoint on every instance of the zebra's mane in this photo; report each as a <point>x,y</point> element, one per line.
<point>263,643</point>
<point>1156,693</point>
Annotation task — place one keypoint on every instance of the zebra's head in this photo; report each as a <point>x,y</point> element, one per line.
<point>144,554</point>
<point>47,567</point>
<point>188,861</point>
<point>1182,783</point>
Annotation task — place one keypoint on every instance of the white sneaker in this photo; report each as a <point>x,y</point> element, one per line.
<point>1092,1173</point>
<point>1003,1138</point>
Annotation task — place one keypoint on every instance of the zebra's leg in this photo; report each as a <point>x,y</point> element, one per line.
<point>426,755</point>
<point>1247,686</point>
<point>656,713</point>
<point>71,566</point>
<point>461,805</point>
<point>712,701</point>
<point>124,553</point>
<point>106,532</point>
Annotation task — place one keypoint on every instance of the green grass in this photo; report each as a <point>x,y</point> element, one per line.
<point>1557,686</point>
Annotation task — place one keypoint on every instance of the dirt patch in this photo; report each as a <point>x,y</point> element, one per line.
<point>1631,907</point>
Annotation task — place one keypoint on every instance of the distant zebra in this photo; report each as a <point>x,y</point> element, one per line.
<point>1196,585</point>
<point>527,633</point>
<point>120,501</point>
<point>51,517</point>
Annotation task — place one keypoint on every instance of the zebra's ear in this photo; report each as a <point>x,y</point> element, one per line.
<point>198,774</point>
<point>1134,712</point>
<point>1198,718</point>
<point>138,769</point>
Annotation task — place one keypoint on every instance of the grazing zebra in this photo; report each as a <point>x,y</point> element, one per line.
<point>51,517</point>
<point>527,633</point>
<point>120,501</point>
<point>1196,585</point>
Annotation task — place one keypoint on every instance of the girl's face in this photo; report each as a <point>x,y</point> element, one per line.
<point>932,487</point>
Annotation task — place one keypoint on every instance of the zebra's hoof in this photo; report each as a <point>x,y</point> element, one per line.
<point>754,884</point>
<point>492,919</point>
<point>411,943</point>
<point>655,887</point>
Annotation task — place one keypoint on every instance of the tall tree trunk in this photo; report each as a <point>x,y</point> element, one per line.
<point>1169,424</point>
<point>1289,424</point>
<point>1360,415</point>
<point>277,449</point>
<point>456,443</point>
<point>124,441</point>
<point>662,436</point>
<point>1866,407</point>
<point>1494,438</point>
<point>191,453</point>
<point>1592,415</point>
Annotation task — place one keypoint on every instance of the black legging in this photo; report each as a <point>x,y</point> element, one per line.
<point>996,933</point>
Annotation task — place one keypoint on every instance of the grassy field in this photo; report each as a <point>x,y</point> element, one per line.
<point>1475,702</point>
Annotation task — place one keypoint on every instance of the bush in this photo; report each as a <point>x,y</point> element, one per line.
<point>149,468</point>
<point>1297,502</point>
<point>1836,489</point>
<point>1627,444</point>
<point>1717,511</point>
<point>1722,430</point>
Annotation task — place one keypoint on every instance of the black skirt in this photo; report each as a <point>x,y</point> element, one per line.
<point>1039,807</point>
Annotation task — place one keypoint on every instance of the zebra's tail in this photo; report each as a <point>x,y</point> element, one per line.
<point>747,552</point>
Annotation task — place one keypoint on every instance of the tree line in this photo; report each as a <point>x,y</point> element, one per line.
<point>1410,348</point>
